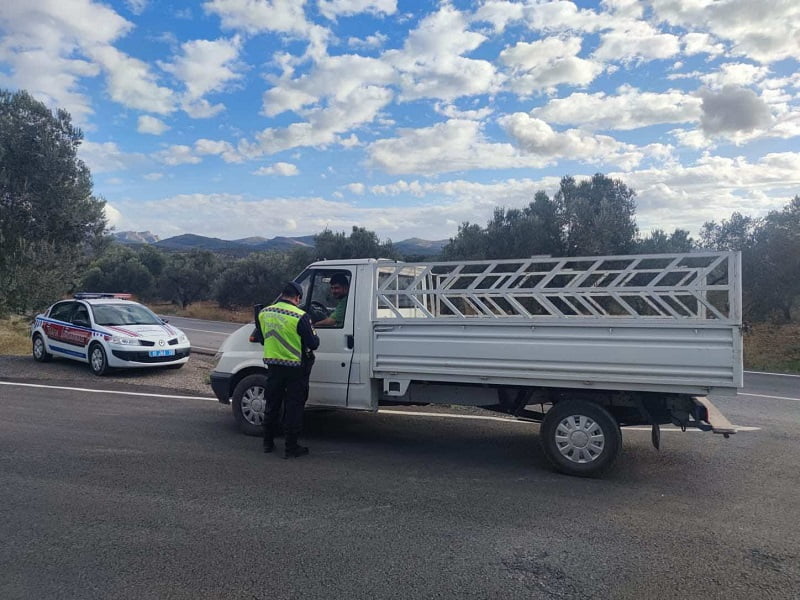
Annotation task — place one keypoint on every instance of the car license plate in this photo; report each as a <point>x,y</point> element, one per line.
<point>162,352</point>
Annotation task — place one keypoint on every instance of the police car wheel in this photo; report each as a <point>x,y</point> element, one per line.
<point>248,403</point>
<point>40,353</point>
<point>98,362</point>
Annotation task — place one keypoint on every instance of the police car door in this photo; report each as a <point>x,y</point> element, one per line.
<point>331,372</point>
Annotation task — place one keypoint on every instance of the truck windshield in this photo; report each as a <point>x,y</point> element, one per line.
<point>123,314</point>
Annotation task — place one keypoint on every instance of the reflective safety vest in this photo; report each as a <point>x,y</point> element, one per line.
<point>282,344</point>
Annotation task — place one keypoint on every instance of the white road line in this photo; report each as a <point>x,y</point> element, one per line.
<point>772,397</point>
<point>775,374</point>
<point>76,389</point>
<point>225,333</point>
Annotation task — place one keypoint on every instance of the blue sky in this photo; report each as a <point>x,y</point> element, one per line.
<point>234,118</point>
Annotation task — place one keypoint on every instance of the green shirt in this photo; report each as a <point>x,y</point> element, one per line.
<point>338,312</point>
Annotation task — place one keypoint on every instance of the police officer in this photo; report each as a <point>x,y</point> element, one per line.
<point>289,342</point>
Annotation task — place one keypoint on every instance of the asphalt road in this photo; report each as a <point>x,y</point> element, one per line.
<point>205,336</point>
<point>112,495</point>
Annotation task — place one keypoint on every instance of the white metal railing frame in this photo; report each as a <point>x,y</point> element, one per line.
<point>698,287</point>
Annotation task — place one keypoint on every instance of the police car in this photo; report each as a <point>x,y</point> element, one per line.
<point>107,331</point>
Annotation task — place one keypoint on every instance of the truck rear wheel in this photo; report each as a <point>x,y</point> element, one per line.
<point>248,404</point>
<point>580,438</point>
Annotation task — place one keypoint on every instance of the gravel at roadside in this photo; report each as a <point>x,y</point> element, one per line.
<point>192,379</point>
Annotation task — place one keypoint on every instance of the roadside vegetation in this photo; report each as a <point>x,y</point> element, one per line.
<point>54,241</point>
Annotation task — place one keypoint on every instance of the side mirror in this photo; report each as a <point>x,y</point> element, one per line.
<point>164,320</point>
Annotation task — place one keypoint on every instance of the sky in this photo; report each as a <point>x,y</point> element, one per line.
<point>238,118</point>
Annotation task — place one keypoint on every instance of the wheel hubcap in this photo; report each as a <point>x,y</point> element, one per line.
<point>580,439</point>
<point>38,348</point>
<point>97,360</point>
<point>253,405</point>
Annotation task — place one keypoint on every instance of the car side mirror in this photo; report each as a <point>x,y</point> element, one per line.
<point>163,320</point>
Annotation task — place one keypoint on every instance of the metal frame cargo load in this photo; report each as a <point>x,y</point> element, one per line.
<point>582,344</point>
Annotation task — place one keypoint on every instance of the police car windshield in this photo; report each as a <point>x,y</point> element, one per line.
<point>123,314</point>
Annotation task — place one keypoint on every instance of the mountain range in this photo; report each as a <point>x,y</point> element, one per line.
<point>243,246</point>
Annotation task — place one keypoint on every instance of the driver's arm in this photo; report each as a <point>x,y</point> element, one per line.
<point>326,322</point>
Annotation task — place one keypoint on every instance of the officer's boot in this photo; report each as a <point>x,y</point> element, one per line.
<point>293,449</point>
<point>269,438</point>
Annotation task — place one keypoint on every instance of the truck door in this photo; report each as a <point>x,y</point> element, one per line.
<point>331,306</point>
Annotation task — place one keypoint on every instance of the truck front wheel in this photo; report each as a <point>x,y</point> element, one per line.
<point>248,404</point>
<point>580,438</point>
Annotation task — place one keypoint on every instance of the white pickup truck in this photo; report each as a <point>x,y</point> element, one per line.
<point>583,345</point>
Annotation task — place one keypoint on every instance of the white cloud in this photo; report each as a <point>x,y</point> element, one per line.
<point>205,66</point>
<point>113,216</point>
<point>220,148</point>
<point>258,16</point>
<point>452,112</point>
<point>565,16</point>
<point>431,64</point>
<point>106,157</point>
<point>636,40</point>
<point>629,109</point>
<point>371,41</point>
<point>546,63</point>
<point>454,145</point>
<point>137,7</point>
<point>701,43</point>
<point>151,125</point>
<point>44,45</point>
<point>538,139</point>
<point>356,188</point>
<point>499,13</point>
<point>738,74</point>
<point>335,77</point>
<point>331,9</point>
<point>153,176</point>
<point>131,82</point>
<point>766,32</point>
<point>324,125</point>
<point>178,154</point>
<point>280,168</point>
<point>202,109</point>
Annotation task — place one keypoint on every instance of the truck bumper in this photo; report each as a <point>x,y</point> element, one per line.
<point>719,422</point>
<point>221,386</point>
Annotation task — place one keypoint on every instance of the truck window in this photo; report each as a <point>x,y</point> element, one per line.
<point>328,301</point>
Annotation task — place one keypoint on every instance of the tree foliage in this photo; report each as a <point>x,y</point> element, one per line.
<point>121,269</point>
<point>598,216</point>
<point>770,248</point>
<point>46,203</point>
<point>659,242</point>
<point>259,277</point>
<point>592,217</point>
<point>360,243</point>
<point>189,277</point>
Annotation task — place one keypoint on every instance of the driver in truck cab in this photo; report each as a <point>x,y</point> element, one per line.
<point>340,288</point>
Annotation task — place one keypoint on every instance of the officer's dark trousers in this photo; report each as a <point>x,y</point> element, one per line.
<point>287,387</point>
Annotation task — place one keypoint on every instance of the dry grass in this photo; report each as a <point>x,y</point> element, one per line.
<point>772,348</point>
<point>15,336</point>
<point>203,310</point>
